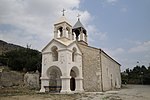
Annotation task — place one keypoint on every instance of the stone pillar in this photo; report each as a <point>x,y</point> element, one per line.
<point>72,36</point>
<point>44,82</point>
<point>55,33</point>
<point>64,31</point>
<point>65,84</point>
<point>85,36</point>
<point>81,36</point>
<point>79,84</point>
<point>69,35</point>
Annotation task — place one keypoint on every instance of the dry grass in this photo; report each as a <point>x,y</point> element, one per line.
<point>15,93</point>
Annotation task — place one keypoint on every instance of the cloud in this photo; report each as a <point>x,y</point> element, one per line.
<point>31,21</point>
<point>129,57</point>
<point>115,52</point>
<point>95,35</point>
<point>144,47</point>
<point>133,42</point>
<point>112,2</point>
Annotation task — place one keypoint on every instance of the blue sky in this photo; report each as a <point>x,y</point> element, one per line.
<point>120,27</point>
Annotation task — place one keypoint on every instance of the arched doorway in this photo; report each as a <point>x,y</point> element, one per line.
<point>54,74</point>
<point>72,80</point>
<point>73,73</point>
<point>72,84</point>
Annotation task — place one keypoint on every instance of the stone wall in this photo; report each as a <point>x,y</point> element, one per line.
<point>91,68</point>
<point>110,72</point>
<point>100,71</point>
<point>31,80</point>
<point>11,78</point>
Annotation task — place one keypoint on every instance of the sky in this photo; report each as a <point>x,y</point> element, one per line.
<point>119,27</point>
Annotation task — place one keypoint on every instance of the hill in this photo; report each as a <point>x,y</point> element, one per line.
<point>6,47</point>
<point>19,58</point>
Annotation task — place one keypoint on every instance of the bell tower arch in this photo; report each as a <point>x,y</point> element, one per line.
<point>80,32</point>
<point>62,28</point>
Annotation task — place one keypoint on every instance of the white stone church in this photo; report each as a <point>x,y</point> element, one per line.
<point>70,65</point>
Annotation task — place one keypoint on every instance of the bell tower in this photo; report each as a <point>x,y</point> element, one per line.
<point>80,32</point>
<point>62,28</point>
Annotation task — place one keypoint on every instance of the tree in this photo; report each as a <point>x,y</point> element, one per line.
<point>24,59</point>
<point>137,75</point>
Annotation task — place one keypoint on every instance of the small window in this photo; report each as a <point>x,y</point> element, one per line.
<point>74,55</point>
<point>54,53</point>
<point>107,71</point>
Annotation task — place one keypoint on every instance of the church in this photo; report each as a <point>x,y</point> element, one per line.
<point>70,65</point>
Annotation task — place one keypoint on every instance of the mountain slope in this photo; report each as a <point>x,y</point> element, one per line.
<point>5,47</point>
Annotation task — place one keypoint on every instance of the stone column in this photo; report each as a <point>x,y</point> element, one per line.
<point>55,33</point>
<point>64,31</point>
<point>65,84</point>
<point>81,36</point>
<point>69,35</point>
<point>72,36</point>
<point>85,36</point>
<point>44,82</point>
<point>79,84</point>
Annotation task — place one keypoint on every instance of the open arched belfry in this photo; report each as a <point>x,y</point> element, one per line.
<point>70,65</point>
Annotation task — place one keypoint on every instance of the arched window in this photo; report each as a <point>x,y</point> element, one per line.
<point>74,55</point>
<point>54,53</point>
<point>77,33</point>
<point>60,32</point>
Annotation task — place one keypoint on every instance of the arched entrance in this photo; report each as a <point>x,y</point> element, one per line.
<point>72,80</point>
<point>54,74</point>
<point>72,84</point>
<point>73,73</point>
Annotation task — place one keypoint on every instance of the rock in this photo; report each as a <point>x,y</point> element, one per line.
<point>31,80</point>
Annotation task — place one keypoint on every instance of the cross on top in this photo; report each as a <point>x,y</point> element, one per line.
<point>63,11</point>
<point>78,16</point>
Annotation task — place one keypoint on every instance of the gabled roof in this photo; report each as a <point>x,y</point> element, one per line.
<point>78,25</point>
<point>101,51</point>
<point>64,41</point>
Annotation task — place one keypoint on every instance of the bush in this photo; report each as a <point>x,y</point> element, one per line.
<point>22,59</point>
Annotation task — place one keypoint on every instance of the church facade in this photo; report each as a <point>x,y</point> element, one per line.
<point>70,64</point>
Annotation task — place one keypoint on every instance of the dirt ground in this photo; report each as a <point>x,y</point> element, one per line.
<point>128,92</point>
